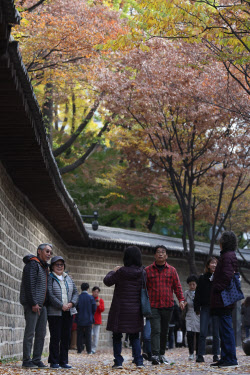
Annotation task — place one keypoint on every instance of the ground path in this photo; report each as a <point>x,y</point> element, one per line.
<point>101,363</point>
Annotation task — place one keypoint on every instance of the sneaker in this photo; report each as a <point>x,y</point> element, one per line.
<point>117,366</point>
<point>93,351</point>
<point>140,366</point>
<point>156,360</point>
<point>191,357</point>
<point>66,366</point>
<point>163,359</point>
<point>200,358</point>
<point>29,364</point>
<point>216,358</point>
<point>55,365</point>
<point>226,364</point>
<point>40,364</point>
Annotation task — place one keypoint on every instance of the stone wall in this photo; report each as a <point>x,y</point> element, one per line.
<point>22,229</point>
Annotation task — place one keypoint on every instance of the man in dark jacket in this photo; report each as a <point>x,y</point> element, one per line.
<point>85,318</point>
<point>33,297</point>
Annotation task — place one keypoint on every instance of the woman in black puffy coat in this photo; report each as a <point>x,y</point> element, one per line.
<point>125,312</point>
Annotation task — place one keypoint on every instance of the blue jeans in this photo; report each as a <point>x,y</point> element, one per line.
<point>147,337</point>
<point>228,348</point>
<point>205,319</point>
<point>136,348</point>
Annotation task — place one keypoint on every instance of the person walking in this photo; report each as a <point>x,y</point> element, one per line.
<point>97,318</point>
<point>202,308</point>
<point>245,312</point>
<point>223,274</point>
<point>125,312</point>
<point>33,297</point>
<point>162,281</point>
<point>86,309</point>
<point>63,297</point>
<point>192,319</point>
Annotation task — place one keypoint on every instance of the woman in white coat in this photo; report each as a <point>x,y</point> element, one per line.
<point>192,320</point>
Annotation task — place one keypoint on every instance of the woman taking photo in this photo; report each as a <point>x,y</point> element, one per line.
<point>202,308</point>
<point>125,311</point>
<point>63,297</point>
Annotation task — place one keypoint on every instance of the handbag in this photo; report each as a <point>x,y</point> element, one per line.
<point>233,292</point>
<point>145,304</point>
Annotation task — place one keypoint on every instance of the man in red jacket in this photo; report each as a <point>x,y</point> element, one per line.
<point>97,318</point>
<point>162,281</point>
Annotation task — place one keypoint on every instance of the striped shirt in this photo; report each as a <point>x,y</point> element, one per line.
<point>161,285</point>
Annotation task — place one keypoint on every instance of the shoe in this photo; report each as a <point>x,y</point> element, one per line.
<point>117,366</point>
<point>156,360</point>
<point>226,364</point>
<point>191,357</point>
<point>147,356</point>
<point>66,366</point>
<point>216,364</point>
<point>29,364</point>
<point>40,364</point>
<point>140,366</point>
<point>93,351</point>
<point>90,353</point>
<point>163,359</point>
<point>216,358</point>
<point>200,358</point>
<point>55,365</point>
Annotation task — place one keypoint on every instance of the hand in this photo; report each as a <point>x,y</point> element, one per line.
<point>65,308</point>
<point>116,268</point>
<point>36,309</point>
<point>182,305</point>
<point>70,305</point>
<point>97,302</point>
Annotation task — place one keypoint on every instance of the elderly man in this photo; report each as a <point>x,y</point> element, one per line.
<point>33,297</point>
<point>162,281</point>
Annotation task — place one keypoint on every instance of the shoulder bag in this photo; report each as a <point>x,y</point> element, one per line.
<point>233,292</point>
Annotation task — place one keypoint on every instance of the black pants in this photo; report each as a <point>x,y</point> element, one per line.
<point>190,340</point>
<point>60,330</point>
<point>84,333</point>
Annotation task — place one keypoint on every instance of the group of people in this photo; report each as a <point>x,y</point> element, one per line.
<point>53,297</point>
<point>202,302</point>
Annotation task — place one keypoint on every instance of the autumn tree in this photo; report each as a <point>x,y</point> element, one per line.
<point>57,40</point>
<point>161,101</point>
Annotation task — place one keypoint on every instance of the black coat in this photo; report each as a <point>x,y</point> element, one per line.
<point>34,281</point>
<point>203,292</point>
<point>125,312</point>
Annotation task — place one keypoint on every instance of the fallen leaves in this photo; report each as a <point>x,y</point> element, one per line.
<point>101,364</point>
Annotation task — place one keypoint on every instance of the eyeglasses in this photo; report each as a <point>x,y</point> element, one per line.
<point>161,252</point>
<point>59,264</point>
<point>49,252</point>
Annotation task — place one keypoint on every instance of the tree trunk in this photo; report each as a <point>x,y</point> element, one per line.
<point>48,110</point>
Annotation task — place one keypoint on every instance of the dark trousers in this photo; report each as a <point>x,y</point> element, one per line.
<point>60,331</point>
<point>205,319</point>
<point>35,328</point>
<point>228,348</point>
<point>84,336</point>
<point>159,329</point>
<point>190,341</point>
<point>136,348</point>
<point>147,338</point>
